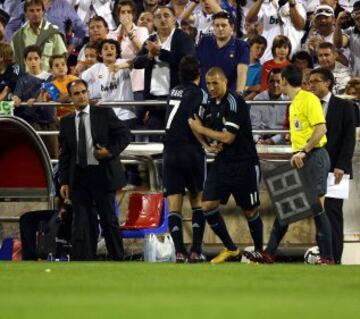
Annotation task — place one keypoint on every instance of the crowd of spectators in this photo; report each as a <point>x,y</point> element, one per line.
<point>130,50</point>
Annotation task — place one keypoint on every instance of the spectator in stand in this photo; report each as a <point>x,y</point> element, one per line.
<point>87,9</point>
<point>160,57</point>
<point>178,6</point>
<point>334,4</point>
<point>258,46</point>
<point>286,18</point>
<point>272,116</point>
<point>305,85</point>
<point>37,31</point>
<point>61,78</point>
<point>131,38</point>
<point>251,29</point>
<point>28,89</point>
<point>281,48</point>
<point>57,12</point>
<point>146,19</point>
<point>350,38</point>
<point>322,30</point>
<point>225,51</point>
<point>9,6</point>
<point>9,71</point>
<point>203,21</point>
<point>302,60</point>
<point>147,5</point>
<point>110,80</point>
<point>3,22</point>
<point>353,88</point>
<point>98,30</point>
<point>188,27</point>
<point>327,59</point>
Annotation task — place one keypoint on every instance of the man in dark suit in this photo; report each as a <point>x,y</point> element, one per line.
<point>160,57</point>
<point>340,123</point>
<point>91,139</point>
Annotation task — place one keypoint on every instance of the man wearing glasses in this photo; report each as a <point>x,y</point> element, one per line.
<point>340,123</point>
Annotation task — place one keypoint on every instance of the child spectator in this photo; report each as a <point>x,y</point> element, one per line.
<point>61,78</point>
<point>28,88</point>
<point>9,71</point>
<point>280,50</point>
<point>110,80</point>
<point>258,46</point>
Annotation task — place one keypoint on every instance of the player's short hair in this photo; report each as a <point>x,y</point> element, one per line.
<point>326,75</point>
<point>189,68</point>
<point>75,82</point>
<point>216,70</point>
<point>293,75</point>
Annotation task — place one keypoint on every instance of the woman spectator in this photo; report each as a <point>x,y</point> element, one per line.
<point>131,38</point>
<point>9,71</point>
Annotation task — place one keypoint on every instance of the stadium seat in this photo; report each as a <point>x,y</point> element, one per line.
<point>147,214</point>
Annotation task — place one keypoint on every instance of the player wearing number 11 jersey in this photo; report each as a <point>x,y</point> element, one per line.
<point>184,158</point>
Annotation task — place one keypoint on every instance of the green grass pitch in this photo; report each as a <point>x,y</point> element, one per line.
<point>140,290</point>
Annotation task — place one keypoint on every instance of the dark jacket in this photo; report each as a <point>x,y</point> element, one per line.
<point>107,130</point>
<point>340,123</point>
<point>181,45</point>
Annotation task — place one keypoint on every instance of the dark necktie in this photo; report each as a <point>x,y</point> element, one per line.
<point>82,157</point>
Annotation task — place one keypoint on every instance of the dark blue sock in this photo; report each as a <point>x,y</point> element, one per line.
<point>175,227</point>
<point>256,230</point>
<point>217,224</point>
<point>198,226</point>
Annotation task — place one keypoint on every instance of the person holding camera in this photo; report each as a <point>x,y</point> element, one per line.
<point>350,37</point>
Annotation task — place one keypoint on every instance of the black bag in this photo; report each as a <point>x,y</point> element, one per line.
<point>53,239</point>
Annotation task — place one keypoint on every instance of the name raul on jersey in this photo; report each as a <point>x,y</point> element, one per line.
<point>177,93</point>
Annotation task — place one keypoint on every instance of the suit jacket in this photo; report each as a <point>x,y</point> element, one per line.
<point>181,45</point>
<point>340,123</point>
<point>106,130</point>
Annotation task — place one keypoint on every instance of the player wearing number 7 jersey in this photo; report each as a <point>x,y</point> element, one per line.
<point>184,158</point>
